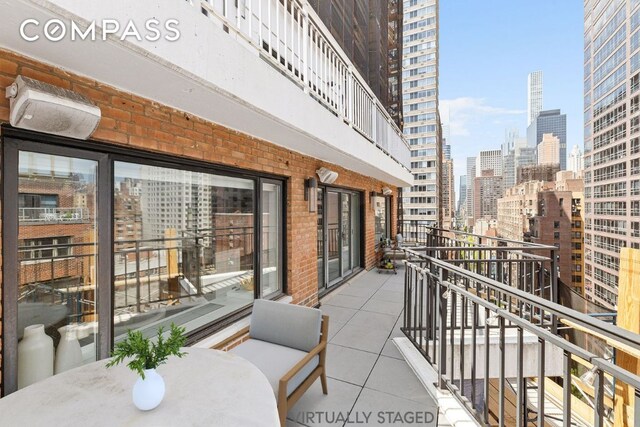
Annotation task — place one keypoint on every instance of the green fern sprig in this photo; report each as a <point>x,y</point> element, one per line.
<point>146,354</point>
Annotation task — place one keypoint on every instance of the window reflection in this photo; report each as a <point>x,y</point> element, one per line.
<point>57,264</point>
<point>183,249</point>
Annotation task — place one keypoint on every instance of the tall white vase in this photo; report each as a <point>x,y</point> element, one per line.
<point>68,353</point>
<point>148,392</point>
<point>35,356</point>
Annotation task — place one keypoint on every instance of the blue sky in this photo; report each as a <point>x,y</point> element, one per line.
<point>487,48</point>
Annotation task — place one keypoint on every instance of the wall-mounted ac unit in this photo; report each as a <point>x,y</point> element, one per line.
<point>42,107</point>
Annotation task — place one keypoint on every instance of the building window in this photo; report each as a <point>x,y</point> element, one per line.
<point>45,249</point>
<point>556,235</point>
<point>189,247</point>
<point>556,224</point>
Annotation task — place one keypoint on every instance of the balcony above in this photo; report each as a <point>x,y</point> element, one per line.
<point>265,68</point>
<point>53,215</point>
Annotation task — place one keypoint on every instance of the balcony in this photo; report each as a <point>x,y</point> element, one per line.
<point>503,335</point>
<point>470,325</point>
<point>315,103</point>
<point>53,215</point>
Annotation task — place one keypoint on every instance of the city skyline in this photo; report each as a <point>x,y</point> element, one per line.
<point>542,36</point>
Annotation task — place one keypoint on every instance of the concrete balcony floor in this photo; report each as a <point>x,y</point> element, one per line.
<point>367,374</point>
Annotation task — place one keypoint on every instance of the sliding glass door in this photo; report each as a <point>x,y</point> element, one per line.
<point>96,244</point>
<point>339,234</point>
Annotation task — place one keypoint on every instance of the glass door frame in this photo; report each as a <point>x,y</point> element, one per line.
<point>10,230</point>
<point>282,275</point>
<point>328,285</point>
<point>13,140</point>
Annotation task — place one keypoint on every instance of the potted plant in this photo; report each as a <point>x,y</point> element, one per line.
<point>145,356</point>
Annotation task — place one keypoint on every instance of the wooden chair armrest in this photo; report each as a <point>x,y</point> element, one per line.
<point>302,363</point>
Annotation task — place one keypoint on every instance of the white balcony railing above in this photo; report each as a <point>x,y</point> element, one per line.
<point>290,35</point>
<point>53,215</point>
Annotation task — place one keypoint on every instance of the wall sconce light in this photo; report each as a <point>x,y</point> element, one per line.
<point>387,191</point>
<point>311,193</point>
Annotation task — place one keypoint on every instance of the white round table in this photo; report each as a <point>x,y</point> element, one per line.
<point>204,388</point>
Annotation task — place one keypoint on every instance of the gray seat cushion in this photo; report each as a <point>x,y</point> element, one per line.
<point>273,322</point>
<point>275,361</point>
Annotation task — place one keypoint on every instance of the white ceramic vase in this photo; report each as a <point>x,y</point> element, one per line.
<point>148,392</point>
<point>68,353</point>
<point>35,356</point>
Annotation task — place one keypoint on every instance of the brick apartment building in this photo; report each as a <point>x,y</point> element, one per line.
<point>198,191</point>
<point>548,213</point>
<point>487,190</point>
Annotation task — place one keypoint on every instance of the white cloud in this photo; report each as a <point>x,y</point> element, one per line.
<point>466,114</point>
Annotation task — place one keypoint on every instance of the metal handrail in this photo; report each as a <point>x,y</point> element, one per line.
<point>607,329</point>
<point>442,312</point>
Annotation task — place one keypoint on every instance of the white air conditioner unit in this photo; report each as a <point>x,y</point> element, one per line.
<point>327,176</point>
<point>42,107</point>
<point>387,191</point>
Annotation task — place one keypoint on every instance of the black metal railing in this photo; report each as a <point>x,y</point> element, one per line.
<point>482,318</point>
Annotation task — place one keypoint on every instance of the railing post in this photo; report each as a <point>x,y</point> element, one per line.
<point>442,363</point>
<point>138,296</point>
<point>350,100</point>
<point>305,47</point>
<point>554,288</point>
<point>566,385</point>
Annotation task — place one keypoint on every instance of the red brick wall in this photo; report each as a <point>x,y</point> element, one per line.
<point>131,121</point>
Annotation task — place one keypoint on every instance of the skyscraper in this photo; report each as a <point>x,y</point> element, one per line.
<point>611,144</point>
<point>554,122</point>
<point>549,149</point>
<point>448,193</point>
<point>420,106</point>
<point>576,161</point>
<point>471,174</point>
<point>489,160</point>
<point>508,157</point>
<point>534,96</point>
<point>462,198</point>
<point>487,190</point>
<point>524,155</point>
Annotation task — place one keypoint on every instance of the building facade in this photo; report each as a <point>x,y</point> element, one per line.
<point>471,174</point>
<point>611,145</point>
<point>195,194</point>
<point>534,95</point>
<point>559,222</point>
<point>448,194</point>
<point>487,190</point>
<point>549,150</point>
<point>462,197</point>
<point>422,127</point>
<point>517,206</point>
<point>553,122</point>
<point>489,160</point>
<point>576,161</point>
<point>537,173</point>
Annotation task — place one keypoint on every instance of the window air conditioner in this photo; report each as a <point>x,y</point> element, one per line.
<point>42,107</point>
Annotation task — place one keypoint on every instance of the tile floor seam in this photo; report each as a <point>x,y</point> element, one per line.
<point>377,358</point>
<point>351,348</point>
<point>370,372</point>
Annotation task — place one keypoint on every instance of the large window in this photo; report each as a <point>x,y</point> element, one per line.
<point>99,243</point>
<point>184,247</point>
